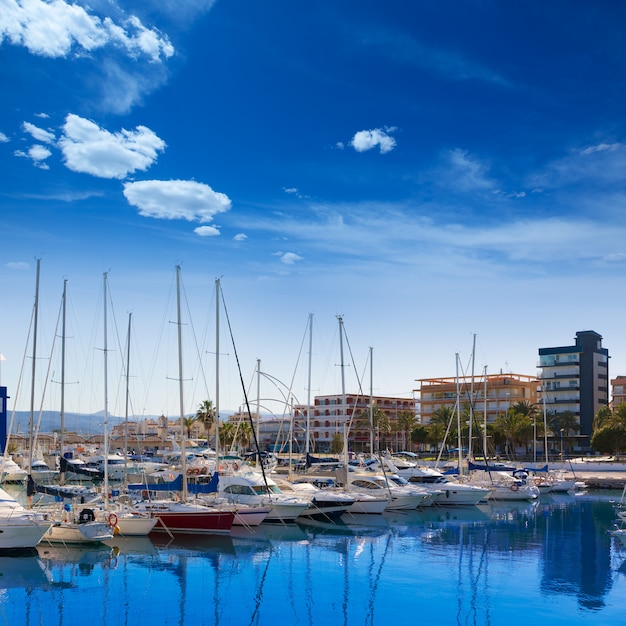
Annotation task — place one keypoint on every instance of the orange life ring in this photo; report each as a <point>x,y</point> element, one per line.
<point>538,481</point>
<point>551,479</point>
<point>112,520</point>
<point>514,487</point>
<point>235,466</point>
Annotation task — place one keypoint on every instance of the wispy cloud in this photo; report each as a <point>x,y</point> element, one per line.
<point>177,200</point>
<point>89,149</point>
<point>452,64</point>
<point>240,237</point>
<point>289,258</point>
<point>3,138</point>
<point>39,134</point>
<point>17,265</point>
<point>37,154</point>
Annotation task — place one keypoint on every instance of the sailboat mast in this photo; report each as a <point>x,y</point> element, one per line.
<point>308,400</point>
<point>217,373</point>
<point>458,416</point>
<point>32,389</point>
<point>183,454</point>
<point>130,316</point>
<point>106,398</point>
<point>371,400</point>
<point>343,389</point>
<point>62,438</point>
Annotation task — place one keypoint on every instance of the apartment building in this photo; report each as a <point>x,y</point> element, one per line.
<point>618,391</point>
<point>493,394</point>
<point>576,378</point>
<point>329,414</point>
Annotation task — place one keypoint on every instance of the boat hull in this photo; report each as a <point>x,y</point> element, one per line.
<point>187,519</point>
<point>22,536</point>
<point>78,533</point>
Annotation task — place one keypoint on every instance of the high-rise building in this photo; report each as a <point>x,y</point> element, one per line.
<point>576,379</point>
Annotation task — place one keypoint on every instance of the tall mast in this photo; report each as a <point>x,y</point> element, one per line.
<point>371,400</point>
<point>130,315</point>
<point>62,439</point>
<point>183,455</point>
<point>106,398</point>
<point>32,389</point>
<point>458,416</point>
<point>343,389</point>
<point>308,400</point>
<point>217,372</point>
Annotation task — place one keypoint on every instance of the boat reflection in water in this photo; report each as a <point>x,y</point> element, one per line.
<point>478,565</point>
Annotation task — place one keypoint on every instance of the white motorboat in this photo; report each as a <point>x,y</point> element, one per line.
<point>250,488</point>
<point>451,492</point>
<point>20,528</point>
<point>327,503</point>
<point>11,472</point>
<point>401,497</point>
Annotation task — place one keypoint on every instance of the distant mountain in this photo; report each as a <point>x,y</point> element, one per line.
<point>83,424</point>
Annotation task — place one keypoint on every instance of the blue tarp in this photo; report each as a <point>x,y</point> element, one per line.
<point>177,485</point>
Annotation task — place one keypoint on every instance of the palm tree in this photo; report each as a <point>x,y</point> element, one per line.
<point>407,422</point>
<point>206,414</point>
<point>515,426</point>
<point>188,423</point>
<point>227,433</point>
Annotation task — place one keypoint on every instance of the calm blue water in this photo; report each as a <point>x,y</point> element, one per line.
<point>508,564</point>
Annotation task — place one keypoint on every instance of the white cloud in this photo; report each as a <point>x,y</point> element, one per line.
<point>89,149</point>
<point>240,237</point>
<point>56,28</point>
<point>17,265</point>
<point>206,231</point>
<point>367,139</point>
<point>38,133</point>
<point>37,154</point>
<point>176,200</point>
<point>289,258</point>
<point>3,138</point>
<point>466,173</point>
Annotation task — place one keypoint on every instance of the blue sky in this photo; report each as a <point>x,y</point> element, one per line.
<point>430,171</point>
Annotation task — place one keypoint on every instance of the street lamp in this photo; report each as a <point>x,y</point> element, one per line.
<point>562,429</point>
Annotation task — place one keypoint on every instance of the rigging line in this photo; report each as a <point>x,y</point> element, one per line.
<point>232,339</point>
<point>19,384</point>
<point>155,354</point>
<point>45,387</point>
<point>203,376</point>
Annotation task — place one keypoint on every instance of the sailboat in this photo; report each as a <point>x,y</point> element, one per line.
<point>183,516</point>
<point>121,518</point>
<point>70,527</point>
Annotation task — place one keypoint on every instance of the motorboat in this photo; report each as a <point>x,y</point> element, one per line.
<point>20,528</point>
<point>249,487</point>
<point>11,472</point>
<point>450,492</point>
<point>326,504</point>
<point>401,497</point>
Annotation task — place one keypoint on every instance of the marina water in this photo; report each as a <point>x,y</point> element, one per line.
<point>550,562</point>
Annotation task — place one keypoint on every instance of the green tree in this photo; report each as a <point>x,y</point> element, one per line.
<point>188,424</point>
<point>609,439</point>
<point>516,428</point>
<point>227,434</point>
<point>407,421</point>
<point>336,444</point>
<point>206,414</point>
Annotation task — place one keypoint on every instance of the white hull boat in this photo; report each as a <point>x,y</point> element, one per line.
<point>20,529</point>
